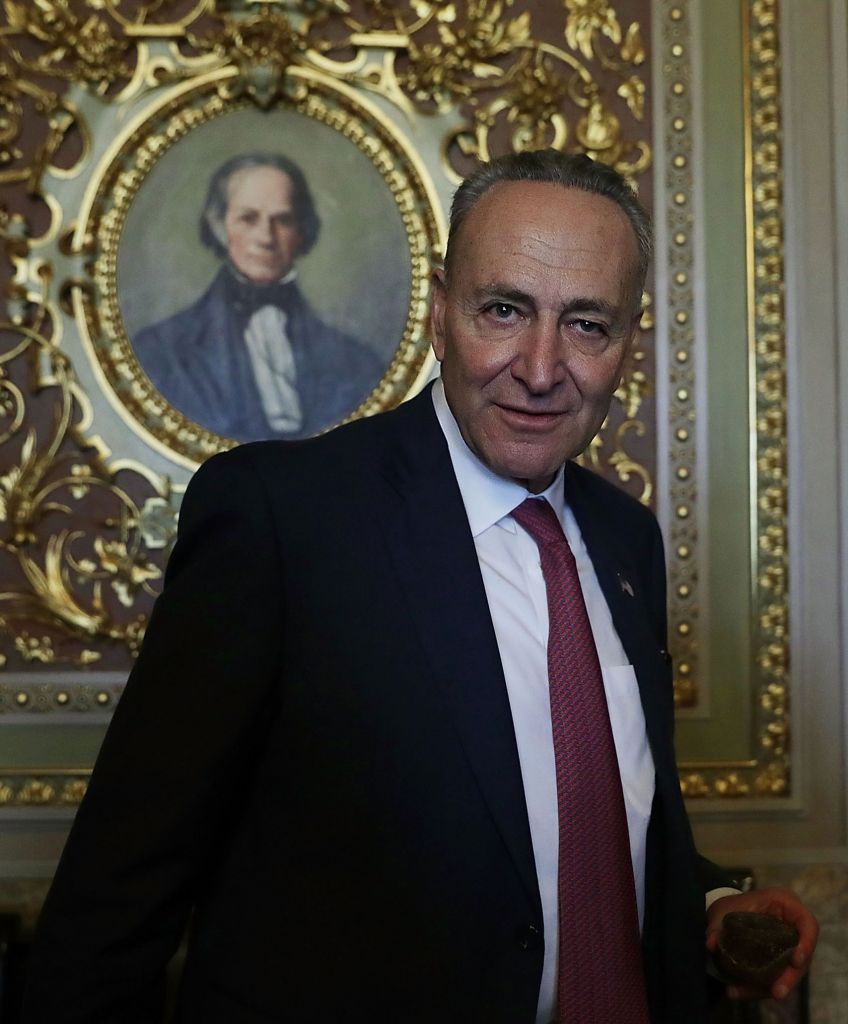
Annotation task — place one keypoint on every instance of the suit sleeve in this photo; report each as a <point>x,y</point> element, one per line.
<point>166,781</point>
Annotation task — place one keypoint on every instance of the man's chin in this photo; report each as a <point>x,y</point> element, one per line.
<point>261,275</point>
<point>535,476</point>
<point>263,279</point>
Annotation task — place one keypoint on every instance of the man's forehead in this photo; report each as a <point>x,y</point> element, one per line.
<point>519,206</point>
<point>547,223</point>
<point>269,172</point>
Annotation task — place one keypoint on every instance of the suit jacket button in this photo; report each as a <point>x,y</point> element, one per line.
<point>529,938</point>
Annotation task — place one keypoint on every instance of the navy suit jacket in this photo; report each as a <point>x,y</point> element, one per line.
<point>198,361</point>
<point>315,755</point>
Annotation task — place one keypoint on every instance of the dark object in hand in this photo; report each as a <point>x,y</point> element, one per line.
<point>753,949</point>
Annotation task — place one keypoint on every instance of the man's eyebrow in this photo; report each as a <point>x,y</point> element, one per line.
<point>247,207</point>
<point>504,292</point>
<point>587,304</point>
<point>579,304</point>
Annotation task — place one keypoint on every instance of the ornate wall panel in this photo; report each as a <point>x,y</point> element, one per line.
<point>723,380</point>
<point>114,114</point>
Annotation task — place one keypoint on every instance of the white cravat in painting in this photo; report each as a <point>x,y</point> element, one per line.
<point>272,360</point>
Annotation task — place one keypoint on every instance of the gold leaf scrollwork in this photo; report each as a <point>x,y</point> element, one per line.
<point>262,47</point>
<point>79,594</point>
<point>59,588</point>
<point>535,103</point>
<point>90,49</point>
<point>585,19</point>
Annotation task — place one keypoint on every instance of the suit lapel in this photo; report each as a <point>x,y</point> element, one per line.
<point>426,529</point>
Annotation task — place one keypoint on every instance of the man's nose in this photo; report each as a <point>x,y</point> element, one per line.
<point>541,359</point>
<point>265,232</point>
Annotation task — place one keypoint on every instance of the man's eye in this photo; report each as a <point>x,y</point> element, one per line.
<point>589,327</point>
<point>501,310</point>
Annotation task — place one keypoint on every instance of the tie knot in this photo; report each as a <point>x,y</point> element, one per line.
<point>250,297</point>
<point>539,519</point>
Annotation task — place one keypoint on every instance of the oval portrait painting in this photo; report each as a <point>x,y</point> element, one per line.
<point>263,276</point>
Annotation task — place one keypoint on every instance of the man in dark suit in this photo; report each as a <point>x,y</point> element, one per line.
<point>339,749</point>
<point>251,359</point>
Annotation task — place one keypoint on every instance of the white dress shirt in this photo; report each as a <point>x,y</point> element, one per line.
<point>515,589</point>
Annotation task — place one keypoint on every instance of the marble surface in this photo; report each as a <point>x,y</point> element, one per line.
<point>824,888</point>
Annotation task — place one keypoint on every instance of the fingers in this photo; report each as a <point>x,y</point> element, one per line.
<point>781,903</point>
<point>786,982</point>
<point>779,990</point>
<point>808,934</point>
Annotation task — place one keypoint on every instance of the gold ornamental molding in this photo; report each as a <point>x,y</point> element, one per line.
<point>103,223</point>
<point>767,396</point>
<point>678,209</point>
<point>39,788</point>
<point>96,97</point>
<point>767,772</point>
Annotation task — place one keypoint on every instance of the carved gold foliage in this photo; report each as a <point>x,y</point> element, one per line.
<point>727,784</point>
<point>72,589</point>
<point>693,784</point>
<point>84,531</point>
<point>23,790</point>
<point>585,19</point>
<point>61,572</point>
<point>85,46</point>
<point>261,46</point>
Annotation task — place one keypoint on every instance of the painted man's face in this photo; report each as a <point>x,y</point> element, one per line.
<point>263,237</point>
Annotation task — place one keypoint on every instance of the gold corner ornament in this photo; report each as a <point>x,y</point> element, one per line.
<point>87,506</point>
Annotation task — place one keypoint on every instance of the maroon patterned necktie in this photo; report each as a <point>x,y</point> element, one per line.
<point>600,979</point>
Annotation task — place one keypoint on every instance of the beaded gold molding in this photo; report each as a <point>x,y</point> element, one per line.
<point>677,201</point>
<point>767,772</point>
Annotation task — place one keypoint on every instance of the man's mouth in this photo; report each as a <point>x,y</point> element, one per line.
<point>538,419</point>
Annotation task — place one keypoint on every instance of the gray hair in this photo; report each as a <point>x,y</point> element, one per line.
<point>212,233</point>
<point>549,165</point>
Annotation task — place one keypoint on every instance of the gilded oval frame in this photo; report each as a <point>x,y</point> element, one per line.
<point>123,173</point>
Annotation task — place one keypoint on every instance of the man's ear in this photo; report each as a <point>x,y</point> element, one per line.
<point>633,325</point>
<point>438,302</point>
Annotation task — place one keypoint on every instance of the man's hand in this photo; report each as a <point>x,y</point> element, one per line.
<point>782,903</point>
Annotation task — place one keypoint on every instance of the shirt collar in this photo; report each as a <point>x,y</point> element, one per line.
<point>488,498</point>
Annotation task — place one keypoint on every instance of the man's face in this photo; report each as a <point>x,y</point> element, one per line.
<point>532,330</point>
<point>263,237</point>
